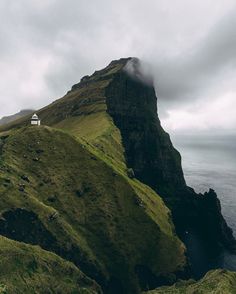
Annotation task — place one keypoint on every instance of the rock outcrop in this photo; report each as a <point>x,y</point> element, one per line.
<point>132,104</point>
<point>89,185</point>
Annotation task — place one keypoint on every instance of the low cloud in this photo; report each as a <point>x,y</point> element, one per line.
<point>189,47</point>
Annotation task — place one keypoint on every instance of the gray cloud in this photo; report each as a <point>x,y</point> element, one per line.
<point>46,46</point>
<point>200,68</point>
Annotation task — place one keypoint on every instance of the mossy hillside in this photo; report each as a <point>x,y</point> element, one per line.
<point>29,269</point>
<point>86,97</point>
<point>214,282</point>
<point>88,207</point>
<point>102,138</point>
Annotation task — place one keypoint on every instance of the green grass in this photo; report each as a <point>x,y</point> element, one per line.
<point>105,222</point>
<point>29,269</point>
<point>214,282</point>
<point>79,203</point>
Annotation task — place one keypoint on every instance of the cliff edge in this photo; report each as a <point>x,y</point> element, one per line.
<point>92,177</point>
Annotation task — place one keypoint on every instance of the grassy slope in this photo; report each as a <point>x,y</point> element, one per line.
<point>116,222</point>
<point>214,282</point>
<point>113,222</point>
<point>29,269</point>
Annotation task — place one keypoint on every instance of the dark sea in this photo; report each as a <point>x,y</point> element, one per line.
<point>210,162</point>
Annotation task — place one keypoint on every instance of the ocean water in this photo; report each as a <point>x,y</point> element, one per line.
<point>210,162</point>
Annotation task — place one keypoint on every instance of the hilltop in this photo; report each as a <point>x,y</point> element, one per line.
<point>101,185</point>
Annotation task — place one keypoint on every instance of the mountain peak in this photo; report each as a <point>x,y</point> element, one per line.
<point>106,73</point>
<point>97,167</point>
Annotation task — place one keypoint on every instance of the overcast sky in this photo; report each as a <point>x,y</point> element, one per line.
<point>190,45</point>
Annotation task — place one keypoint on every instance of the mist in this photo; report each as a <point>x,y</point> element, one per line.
<point>188,49</point>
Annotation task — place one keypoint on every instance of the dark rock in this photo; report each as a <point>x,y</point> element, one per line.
<point>25,178</point>
<point>132,104</point>
<point>21,187</point>
<point>39,151</point>
<point>36,159</point>
<point>53,216</point>
<point>85,78</point>
<point>79,193</point>
<point>139,202</point>
<point>52,198</point>
<point>115,174</point>
<point>130,173</point>
<point>82,191</point>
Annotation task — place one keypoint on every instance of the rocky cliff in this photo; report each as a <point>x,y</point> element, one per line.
<point>132,104</point>
<point>87,185</point>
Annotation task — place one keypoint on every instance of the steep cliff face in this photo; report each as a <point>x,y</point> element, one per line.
<point>89,184</point>
<point>133,106</point>
<point>115,94</point>
<point>149,151</point>
<point>61,192</point>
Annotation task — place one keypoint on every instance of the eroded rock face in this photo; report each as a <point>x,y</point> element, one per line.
<point>150,153</point>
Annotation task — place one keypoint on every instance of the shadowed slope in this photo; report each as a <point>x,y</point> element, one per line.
<point>29,269</point>
<point>70,200</point>
<point>81,189</point>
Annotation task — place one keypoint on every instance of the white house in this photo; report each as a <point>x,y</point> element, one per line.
<point>35,120</point>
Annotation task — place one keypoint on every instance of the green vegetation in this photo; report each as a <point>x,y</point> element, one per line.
<point>79,213</point>
<point>29,269</point>
<point>85,210</point>
<point>214,282</point>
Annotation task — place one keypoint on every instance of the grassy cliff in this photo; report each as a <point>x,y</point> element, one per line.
<point>70,186</point>
<point>214,282</point>
<point>63,194</point>
<point>29,269</point>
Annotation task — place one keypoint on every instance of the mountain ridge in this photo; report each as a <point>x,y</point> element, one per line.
<point>106,130</point>
<point>7,119</point>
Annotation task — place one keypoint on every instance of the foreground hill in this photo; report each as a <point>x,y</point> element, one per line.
<point>88,185</point>
<point>29,269</point>
<point>59,194</point>
<point>214,282</point>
